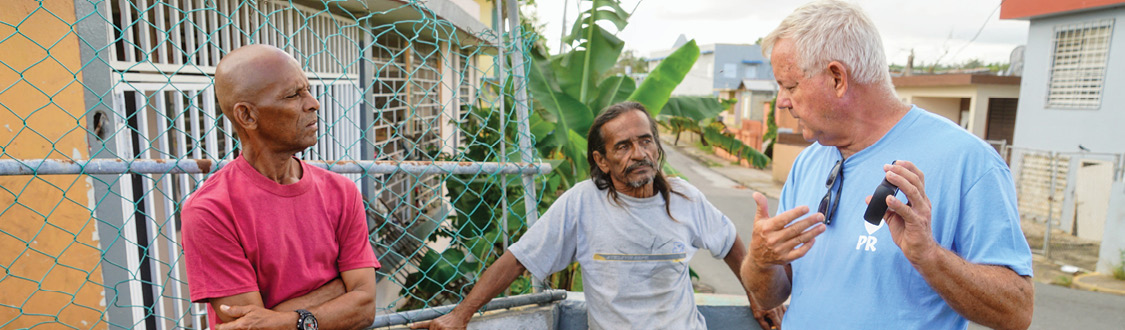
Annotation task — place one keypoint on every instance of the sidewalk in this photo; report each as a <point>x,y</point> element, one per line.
<point>757,179</point>
<point>1046,270</point>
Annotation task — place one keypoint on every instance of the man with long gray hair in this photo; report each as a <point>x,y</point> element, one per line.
<point>947,250</point>
<point>634,246</point>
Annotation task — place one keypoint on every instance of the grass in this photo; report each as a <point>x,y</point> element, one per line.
<point>1119,270</point>
<point>1063,280</point>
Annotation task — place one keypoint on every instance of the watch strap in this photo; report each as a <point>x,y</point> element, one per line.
<point>302,315</point>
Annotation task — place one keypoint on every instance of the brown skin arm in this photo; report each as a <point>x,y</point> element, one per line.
<point>353,309</point>
<point>777,241</point>
<point>767,318</point>
<point>993,296</point>
<point>494,280</point>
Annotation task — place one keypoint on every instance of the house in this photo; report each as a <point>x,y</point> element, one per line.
<point>1069,130</point>
<point>727,71</point>
<point>1068,78</point>
<point>985,105</point>
<point>130,81</point>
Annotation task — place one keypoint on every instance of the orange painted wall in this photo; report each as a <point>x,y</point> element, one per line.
<point>1028,8</point>
<point>48,235</point>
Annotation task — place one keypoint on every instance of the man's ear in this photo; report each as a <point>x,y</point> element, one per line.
<point>839,74</point>
<point>245,115</point>
<point>601,161</point>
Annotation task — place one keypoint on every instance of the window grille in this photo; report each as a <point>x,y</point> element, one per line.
<point>1079,64</point>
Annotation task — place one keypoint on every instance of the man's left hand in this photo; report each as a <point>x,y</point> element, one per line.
<point>768,319</point>
<point>909,223</point>
<point>257,317</point>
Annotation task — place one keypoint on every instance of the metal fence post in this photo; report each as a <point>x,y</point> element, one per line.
<point>519,87</point>
<point>97,79</point>
<point>1050,204</point>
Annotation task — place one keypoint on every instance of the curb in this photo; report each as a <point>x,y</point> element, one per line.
<point>1091,287</point>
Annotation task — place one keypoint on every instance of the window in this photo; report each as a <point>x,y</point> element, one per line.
<point>752,71</point>
<point>1079,65</point>
<point>730,70</point>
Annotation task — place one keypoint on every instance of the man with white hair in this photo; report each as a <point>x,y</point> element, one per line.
<point>948,249</point>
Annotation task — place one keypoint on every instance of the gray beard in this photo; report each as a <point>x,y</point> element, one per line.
<point>639,183</point>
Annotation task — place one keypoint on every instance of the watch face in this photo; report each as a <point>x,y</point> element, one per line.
<point>308,323</point>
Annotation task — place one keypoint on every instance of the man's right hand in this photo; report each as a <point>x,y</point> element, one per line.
<point>775,242</point>
<point>449,321</point>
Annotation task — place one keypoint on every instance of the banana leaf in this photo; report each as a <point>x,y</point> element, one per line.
<point>657,88</point>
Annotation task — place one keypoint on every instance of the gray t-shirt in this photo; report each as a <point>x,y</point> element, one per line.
<point>634,257</point>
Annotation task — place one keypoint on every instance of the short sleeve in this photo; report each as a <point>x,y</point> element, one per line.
<point>216,264</point>
<point>989,227</point>
<point>716,232</point>
<point>549,245</point>
<point>353,236</point>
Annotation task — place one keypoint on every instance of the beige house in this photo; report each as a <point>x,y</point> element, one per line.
<point>983,104</point>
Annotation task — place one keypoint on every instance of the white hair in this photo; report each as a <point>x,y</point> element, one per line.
<point>832,30</point>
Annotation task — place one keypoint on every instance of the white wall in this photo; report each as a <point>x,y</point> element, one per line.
<point>1100,130</point>
<point>700,80</point>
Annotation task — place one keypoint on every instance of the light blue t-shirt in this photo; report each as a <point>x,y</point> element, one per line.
<point>855,277</point>
<point>634,257</point>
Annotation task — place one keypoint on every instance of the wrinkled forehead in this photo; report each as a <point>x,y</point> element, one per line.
<point>628,126</point>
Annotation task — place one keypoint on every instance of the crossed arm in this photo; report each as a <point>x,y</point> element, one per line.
<point>347,302</point>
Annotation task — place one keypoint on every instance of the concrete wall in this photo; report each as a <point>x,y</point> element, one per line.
<point>729,56</point>
<point>1100,129</point>
<point>1113,239</point>
<point>783,157</point>
<point>948,107</point>
<point>49,241</point>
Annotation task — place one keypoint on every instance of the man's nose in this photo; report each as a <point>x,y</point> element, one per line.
<point>783,101</point>
<point>638,152</point>
<point>311,103</point>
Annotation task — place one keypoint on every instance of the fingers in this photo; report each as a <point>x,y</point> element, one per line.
<point>907,178</point>
<point>763,206</point>
<point>763,320</point>
<point>785,218</point>
<point>235,311</point>
<point>794,254</point>
<point>897,207</point>
<point>802,232</point>
<point>421,325</point>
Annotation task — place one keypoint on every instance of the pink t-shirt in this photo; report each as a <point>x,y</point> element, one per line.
<point>243,232</point>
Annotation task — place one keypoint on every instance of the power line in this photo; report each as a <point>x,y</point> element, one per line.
<point>981,29</point>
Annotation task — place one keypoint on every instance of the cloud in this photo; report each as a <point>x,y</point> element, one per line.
<point>924,26</point>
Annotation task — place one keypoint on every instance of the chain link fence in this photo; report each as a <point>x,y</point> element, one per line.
<point>1068,191</point>
<point>109,121</point>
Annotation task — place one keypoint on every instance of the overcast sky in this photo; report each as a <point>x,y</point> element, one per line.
<point>929,27</point>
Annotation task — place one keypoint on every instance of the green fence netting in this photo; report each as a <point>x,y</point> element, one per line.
<point>424,98</point>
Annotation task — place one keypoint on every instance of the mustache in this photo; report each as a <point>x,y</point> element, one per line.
<point>638,164</point>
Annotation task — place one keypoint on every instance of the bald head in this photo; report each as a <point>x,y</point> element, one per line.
<point>243,73</point>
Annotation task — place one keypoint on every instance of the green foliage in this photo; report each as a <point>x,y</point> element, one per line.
<point>769,138</point>
<point>476,232</point>
<point>657,88</point>
<point>629,59</point>
<point>1063,280</point>
<point>714,135</point>
<point>1119,270</point>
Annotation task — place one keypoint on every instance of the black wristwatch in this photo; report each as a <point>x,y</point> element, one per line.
<point>305,320</point>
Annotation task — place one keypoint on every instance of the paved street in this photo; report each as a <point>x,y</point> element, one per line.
<point>1055,307</point>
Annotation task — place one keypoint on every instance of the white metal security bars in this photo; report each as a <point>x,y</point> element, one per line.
<point>1078,64</point>
<point>190,36</point>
